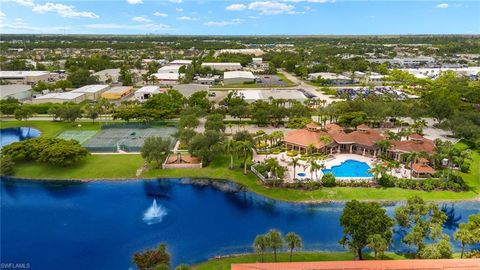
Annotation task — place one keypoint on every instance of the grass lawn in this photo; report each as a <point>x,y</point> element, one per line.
<point>224,263</point>
<point>50,128</point>
<point>282,77</point>
<point>93,167</point>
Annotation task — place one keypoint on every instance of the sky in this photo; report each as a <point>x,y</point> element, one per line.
<point>255,17</point>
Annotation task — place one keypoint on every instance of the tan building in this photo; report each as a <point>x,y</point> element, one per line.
<point>117,92</point>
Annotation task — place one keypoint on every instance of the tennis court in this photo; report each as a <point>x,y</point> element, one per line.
<point>80,136</point>
<point>128,139</point>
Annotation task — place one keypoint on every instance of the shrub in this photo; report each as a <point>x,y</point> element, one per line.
<point>386,181</point>
<point>465,168</point>
<point>153,259</point>
<point>292,153</point>
<point>328,180</point>
<point>6,166</point>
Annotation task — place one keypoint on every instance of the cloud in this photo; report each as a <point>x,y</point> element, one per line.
<point>442,5</point>
<point>223,23</point>
<point>2,14</point>
<point>236,7</point>
<point>135,2</point>
<point>63,10</point>
<point>141,19</point>
<point>19,25</point>
<point>159,14</point>
<point>176,1</point>
<point>66,11</point>
<point>270,8</point>
<point>143,27</point>
<point>179,9</point>
<point>186,18</point>
<point>310,1</point>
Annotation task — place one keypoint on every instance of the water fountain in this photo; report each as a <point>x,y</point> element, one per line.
<point>154,213</point>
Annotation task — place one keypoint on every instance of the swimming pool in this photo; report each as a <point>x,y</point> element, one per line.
<point>11,135</point>
<point>350,168</point>
<point>301,174</point>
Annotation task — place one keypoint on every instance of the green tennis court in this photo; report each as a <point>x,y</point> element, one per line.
<point>80,136</point>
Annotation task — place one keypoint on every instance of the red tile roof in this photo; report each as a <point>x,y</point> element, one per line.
<point>366,138</point>
<point>333,127</point>
<point>425,145</point>
<point>304,137</point>
<point>416,136</point>
<point>421,168</point>
<point>363,126</point>
<point>312,125</point>
<point>443,264</point>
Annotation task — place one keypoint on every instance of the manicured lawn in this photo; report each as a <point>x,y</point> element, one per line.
<point>224,263</point>
<point>93,167</point>
<point>50,128</point>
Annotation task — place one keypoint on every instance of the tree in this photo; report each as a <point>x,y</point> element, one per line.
<point>185,135</point>
<point>422,220</point>
<point>153,258</point>
<point>188,121</point>
<point>412,158</point>
<point>63,84</point>
<point>200,100</point>
<point>9,105</point>
<point>378,244</point>
<point>293,241</point>
<point>245,148</point>
<point>377,170</point>
<point>63,153</point>
<point>6,166</point>
<point>328,180</point>
<point>80,77</point>
<point>361,220</point>
<point>155,149</point>
<point>126,76</point>
<point>275,241</point>
<point>230,149</point>
<point>469,233</point>
<point>206,146</point>
<point>295,164</point>
<point>70,113</point>
<point>22,113</point>
<point>439,250</point>
<point>93,112</point>
<point>215,122</point>
<point>260,244</point>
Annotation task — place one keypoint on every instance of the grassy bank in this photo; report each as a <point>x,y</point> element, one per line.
<point>50,128</point>
<point>224,263</point>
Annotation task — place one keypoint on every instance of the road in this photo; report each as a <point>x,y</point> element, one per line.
<point>313,89</point>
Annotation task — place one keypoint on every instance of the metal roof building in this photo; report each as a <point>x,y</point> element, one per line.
<point>93,91</point>
<point>17,91</point>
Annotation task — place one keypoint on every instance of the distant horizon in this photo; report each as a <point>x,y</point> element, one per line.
<point>240,18</point>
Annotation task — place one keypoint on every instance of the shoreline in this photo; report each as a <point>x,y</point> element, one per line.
<point>194,179</point>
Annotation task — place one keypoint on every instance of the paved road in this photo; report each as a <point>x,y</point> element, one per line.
<point>311,88</point>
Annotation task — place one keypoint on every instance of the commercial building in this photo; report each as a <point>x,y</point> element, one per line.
<point>146,92</point>
<point>256,52</point>
<point>17,91</point>
<point>433,73</point>
<point>251,96</point>
<point>205,80</point>
<point>59,98</point>
<point>117,92</point>
<point>26,77</point>
<point>223,66</point>
<point>108,75</point>
<point>92,92</point>
<point>181,62</point>
<point>257,61</point>
<point>238,77</point>
<point>169,69</point>
<point>331,78</point>
<point>166,78</point>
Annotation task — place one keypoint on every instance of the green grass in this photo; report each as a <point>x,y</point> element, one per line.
<point>93,167</point>
<point>224,263</point>
<point>282,77</point>
<point>50,128</point>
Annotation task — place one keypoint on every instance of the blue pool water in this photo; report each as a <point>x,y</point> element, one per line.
<point>350,168</point>
<point>11,135</point>
<point>301,174</point>
<point>100,225</point>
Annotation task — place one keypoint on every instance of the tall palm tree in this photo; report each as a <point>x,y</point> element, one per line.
<point>275,241</point>
<point>294,164</point>
<point>314,167</point>
<point>230,149</point>
<point>377,170</point>
<point>260,244</point>
<point>326,140</point>
<point>246,149</point>
<point>293,241</point>
<point>412,158</point>
<point>310,149</point>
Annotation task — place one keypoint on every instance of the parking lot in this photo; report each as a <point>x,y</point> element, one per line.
<point>269,81</point>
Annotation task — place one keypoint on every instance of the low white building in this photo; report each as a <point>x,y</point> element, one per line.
<point>238,77</point>
<point>251,96</point>
<point>169,69</point>
<point>257,61</point>
<point>108,75</point>
<point>59,98</point>
<point>331,78</point>
<point>17,91</point>
<point>166,78</point>
<point>146,92</point>
<point>26,77</point>
<point>223,66</point>
<point>93,91</point>
<point>181,62</point>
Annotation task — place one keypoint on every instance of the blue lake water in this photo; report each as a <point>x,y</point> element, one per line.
<point>99,225</point>
<point>11,135</point>
<point>350,168</point>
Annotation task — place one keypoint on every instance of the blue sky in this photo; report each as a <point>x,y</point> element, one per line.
<point>258,17</point>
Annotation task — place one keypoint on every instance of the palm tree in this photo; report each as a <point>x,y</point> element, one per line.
<point>294,164</point>
<point>246,149</point>
<point>293,241</point>
<point>384,145</point>
<point>260,244</point>
<point>464,236</point>
<point>310,149</point>
<point>412,158</point>
<point>326,140</point>
<point>377,170</point>
<point>314,167</point>
<point>230,149</point>
<point>275,241</point>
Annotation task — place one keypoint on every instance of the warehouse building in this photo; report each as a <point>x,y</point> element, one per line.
<point>169,69</point>
<point>251,96</point>
<point>26,77</point>
<point>189,89</point>
<point>223,66</point>
<point>146,92</point>
<point>92,92</point>
<point>17,91</point>
<point>166,78</point>
<point>117,92</point>
<point>181,62</point>
<point>111,75</point>
<point>331,78</point>
<point>238,77</point>
<point>59,98</point>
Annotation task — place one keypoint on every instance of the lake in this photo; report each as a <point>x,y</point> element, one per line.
<point>11,135</point>
<point>100,225</point>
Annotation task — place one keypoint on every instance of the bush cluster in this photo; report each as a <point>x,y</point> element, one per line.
<point>455,183</point>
